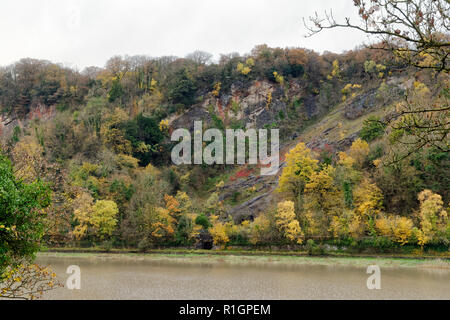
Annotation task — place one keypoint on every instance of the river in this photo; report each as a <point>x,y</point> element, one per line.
<point>122,277</point>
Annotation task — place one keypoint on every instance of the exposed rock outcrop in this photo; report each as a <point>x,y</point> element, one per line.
<point>9,121</point>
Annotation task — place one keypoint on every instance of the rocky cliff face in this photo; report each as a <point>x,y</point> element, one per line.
<point>335,132</point>
<point>254,106</point>
<point>9,121</point>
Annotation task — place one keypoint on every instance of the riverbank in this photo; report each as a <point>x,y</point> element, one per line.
<point>208,257</point>
<point>417,254</point>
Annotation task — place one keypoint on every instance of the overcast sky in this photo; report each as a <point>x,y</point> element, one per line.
<point>82,33</point>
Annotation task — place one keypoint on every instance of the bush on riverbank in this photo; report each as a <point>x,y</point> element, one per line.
<point>347,247</point>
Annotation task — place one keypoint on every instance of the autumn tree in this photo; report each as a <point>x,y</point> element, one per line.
<point>260,229</point>
<point>158,226</point>
<point>434,222</point>
<point>172,206</point>
<point>140,216</point>
<point>112,133</point>
<point>98,219</point>
<point>286,222</point>
<point>219,232</point>
<point>28,159</point>
<point>399,229</point>
<point>323,198</point>
<point>300,166</point>
<point>82,214</point>
<point>186,229</point>
<point>297,59</point>
<point>104,218</point>
<point>368,203</point>
<point>359,151</point>
<point>343,226</point>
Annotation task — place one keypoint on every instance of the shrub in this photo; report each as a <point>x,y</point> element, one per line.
<point>203,221</point>
<point>313,248</point>
<point>372,129</point>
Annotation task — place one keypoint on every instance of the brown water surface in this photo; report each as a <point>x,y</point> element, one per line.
<point>147,279</point>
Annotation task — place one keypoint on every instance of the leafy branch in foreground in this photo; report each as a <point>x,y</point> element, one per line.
<point>27,281</point>
<point>22,225</point>
<point>415,31</point>
<point>421,120</point>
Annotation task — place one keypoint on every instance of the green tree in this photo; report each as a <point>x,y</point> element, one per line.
<point>203,221</point>
<point>116,91</point>
<point>145,136</point>
<point>372,129</point>
<point>182,89</point>
<point>22,218</point>
<point>22,225</point>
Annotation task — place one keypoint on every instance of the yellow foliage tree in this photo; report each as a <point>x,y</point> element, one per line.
<point>286,222</point>
<point>28,159</point>
<point>172,206</point>
<point>368,198</point>
<point>219,232</point>
<point>245,69</point>
<point>250,62</point>
<point>322,197</point>
<point>164,125</point>
<point>259,229</point>
<point>184,202</point>
<point>359,151</point>
<point>345,160</point>
<point>112,135</point>
<point>434,222</point>
<point>278,77</point>
<point>268,99</point>
<point>341,225</point>
<point>103,218</point>
<point>158,223</point>
<point>397,228</point>
<point>100,217</point>
<point>82,214</point>
<point>300,165</point>
<point>368,202</point>
<point>335,71</point>
<point>127,161</point>
<point>216,90</point>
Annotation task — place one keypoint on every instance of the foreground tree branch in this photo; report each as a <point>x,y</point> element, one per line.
<point>27,282</point>
<point>416,31</point>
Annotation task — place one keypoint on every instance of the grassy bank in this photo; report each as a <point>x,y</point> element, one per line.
<point>417,254</point>
<point>229,257</point>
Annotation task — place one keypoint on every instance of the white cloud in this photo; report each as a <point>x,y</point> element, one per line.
<point>85,32</point>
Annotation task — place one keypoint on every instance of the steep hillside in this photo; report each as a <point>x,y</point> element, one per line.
<point>101,140</point>
<point>334,130</point>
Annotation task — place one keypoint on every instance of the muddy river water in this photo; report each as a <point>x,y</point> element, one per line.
<point>119,278</point>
